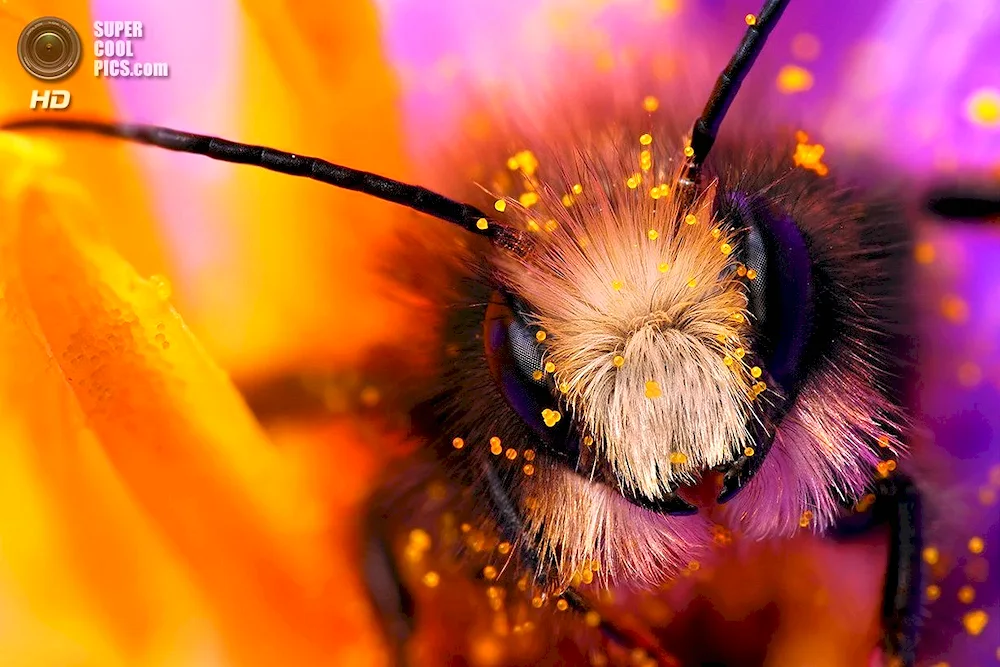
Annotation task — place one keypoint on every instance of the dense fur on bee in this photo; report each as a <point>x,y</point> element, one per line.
<point>608,296</point>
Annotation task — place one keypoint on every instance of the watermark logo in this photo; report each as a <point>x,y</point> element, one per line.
<point>49,48</point>
<point>114,50</point>
<point>49,99</point>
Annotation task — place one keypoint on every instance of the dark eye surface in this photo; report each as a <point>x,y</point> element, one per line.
<point>779,286</point>
<point>516,361</point>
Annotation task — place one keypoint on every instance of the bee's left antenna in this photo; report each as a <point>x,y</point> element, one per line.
<point>706,128</point>
<point>412,196</point>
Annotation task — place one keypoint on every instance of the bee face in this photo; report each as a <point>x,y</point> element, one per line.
<point>643,345</point>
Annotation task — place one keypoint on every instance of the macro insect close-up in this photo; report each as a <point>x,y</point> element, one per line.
<point>579,332</point>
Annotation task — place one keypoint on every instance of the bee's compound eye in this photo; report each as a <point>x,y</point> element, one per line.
<point>779,281</point>
<point>516,359</point>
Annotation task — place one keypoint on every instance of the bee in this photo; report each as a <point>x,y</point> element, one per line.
<point>647,338</point>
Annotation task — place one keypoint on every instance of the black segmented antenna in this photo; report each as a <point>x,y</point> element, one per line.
<point>412,196</point>
<point>706,128</point>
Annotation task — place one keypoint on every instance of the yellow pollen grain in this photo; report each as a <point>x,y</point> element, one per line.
<point>489,573</point>
<point>750,19</point>
<point>692,282</point>
<point>748,451</point>
<point>419,539</point>
<point>737,316</point>
<point>562,605</point>
<point>592,619</point>
<point>983,107</point>
<point>550,417</point>
<point>495,448</point>
<point>691,219</point>
<point>632,183</point>
<point>537,375</point>
<point>533,226</point>
<point>511,453</point>
<point>976,545</point>
<point>650,103</point>
<point>431,579</point>
<point>805,519</point>
<point>653,234</point>
<point>503,548</point>
<point>883,441</point>
<point>588,441</point>
<point>975,622</point>
<point>739,353</point>
<point>931,555</point>
<point>933,592</point>
<point>688,151</point>
<point>495,441</point>
<point>663,267</point>
<point>966,594</point>
<point>727,360</point>
<point>563,387</point>
<point>529,455</point>
<point>512,163</point>
<point>550,367</point>
<point>458,443</point>
<point>528,469</point>
<point>653,389</point>
<point>741,270</point>
<point>577,189</point>
<point>726,248</point>
<point>537,602</point>
<point>500,205</point>
<point>810,156</point>
<point>678,458</point>
<point>646,139</point>
<point>755,371</point>
<point>482,223</point>
<point>794,79</point>
<point>540,336</point>
<point>618,360</point>
<point>567,200</point>
<point>528,199</point>
<point>716,233</point>
<point>751,274</point>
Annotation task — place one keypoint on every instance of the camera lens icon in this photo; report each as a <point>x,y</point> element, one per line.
<point>49,48</point>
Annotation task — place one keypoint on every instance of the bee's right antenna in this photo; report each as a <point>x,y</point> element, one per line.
<point>706,128</point>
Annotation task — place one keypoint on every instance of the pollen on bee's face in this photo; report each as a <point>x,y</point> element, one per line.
<point>643,309</point>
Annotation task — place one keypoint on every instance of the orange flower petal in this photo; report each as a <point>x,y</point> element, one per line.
<point>291,281</point>
<point>109,391</point>
<point>105,169</point>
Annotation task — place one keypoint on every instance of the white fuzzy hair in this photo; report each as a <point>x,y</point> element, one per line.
<point>581,524</point>
<point>599,287</point>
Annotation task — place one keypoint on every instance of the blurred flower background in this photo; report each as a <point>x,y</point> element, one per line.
<point>146,518</point>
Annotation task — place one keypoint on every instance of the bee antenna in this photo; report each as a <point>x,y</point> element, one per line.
<point>412,196</point>
<point>706,128</point>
